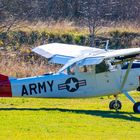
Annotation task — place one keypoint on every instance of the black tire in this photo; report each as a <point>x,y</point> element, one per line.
<point>112,105</point>
<point>136,107</point>
<point>138,89</point>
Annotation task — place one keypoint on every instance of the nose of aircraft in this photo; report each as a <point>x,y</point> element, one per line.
<point>5,86</point>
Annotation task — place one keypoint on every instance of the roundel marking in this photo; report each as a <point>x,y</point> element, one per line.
<point>72,84</point>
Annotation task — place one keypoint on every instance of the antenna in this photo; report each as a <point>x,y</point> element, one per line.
<point>106,46</point>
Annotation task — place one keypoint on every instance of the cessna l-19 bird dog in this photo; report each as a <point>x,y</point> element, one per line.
<point>86,72</point>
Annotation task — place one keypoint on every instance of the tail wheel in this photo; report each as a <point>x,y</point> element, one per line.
<point>115,105</point>
<point>136,107</point>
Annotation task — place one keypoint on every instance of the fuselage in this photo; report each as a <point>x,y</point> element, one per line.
<point>80,84</point>
<point>95,81</point>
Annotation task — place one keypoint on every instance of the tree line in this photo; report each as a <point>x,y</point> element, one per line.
<point>71,9</point>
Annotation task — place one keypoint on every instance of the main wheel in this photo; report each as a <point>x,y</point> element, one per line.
<point>138,89</point>
<point>115,105</point>
<point>136,107</point>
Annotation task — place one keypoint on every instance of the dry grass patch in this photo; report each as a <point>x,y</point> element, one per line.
<point>13,65</point>
<point>65,26</point>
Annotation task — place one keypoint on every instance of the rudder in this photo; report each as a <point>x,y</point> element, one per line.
<point>5,86</point>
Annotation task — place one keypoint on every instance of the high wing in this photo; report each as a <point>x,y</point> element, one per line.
<point>81,55</point>
<point>60,53</point>
<point>120,53</point>
<point>92,59</point>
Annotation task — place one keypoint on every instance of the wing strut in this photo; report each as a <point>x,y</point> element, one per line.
<point>126,74</point>
<point>129,97</point>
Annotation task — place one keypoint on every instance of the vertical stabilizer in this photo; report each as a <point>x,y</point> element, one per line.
<point>5,86</point>
<point>3,77</point>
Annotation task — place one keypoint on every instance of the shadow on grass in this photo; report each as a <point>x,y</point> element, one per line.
<point>105,114</point>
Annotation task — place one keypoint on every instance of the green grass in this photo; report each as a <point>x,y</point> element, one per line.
<point>84,119</point>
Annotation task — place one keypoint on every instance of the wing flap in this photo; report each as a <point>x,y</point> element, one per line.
<point>59,59</point>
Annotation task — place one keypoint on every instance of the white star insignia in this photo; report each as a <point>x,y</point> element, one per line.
<point>72,84</point>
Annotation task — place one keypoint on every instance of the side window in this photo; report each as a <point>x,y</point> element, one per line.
<point>102,67</point>
<point>88,69</point>
<point>82,69</point>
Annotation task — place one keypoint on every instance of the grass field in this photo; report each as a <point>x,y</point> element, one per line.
<point>84,119</point>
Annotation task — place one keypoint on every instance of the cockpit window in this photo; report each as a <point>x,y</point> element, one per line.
<point>71,69</point>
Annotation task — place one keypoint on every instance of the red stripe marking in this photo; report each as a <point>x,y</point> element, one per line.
<point>5,86</point>
<point>61,88</point>
<point>62,85</point>
<point>82,84</point>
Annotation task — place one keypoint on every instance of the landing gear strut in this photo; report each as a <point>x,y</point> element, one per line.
<point>115,104</point>
<point>136,106</point>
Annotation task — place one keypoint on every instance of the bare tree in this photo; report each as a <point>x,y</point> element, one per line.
<point>9,19</point>
<point>93,15</point>
<point>6,20</point>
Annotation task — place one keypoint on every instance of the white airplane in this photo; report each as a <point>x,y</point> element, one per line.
<point>87,72</point>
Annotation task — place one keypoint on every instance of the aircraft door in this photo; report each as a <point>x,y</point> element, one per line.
<point>87,73</point>
<point>108,79</point>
